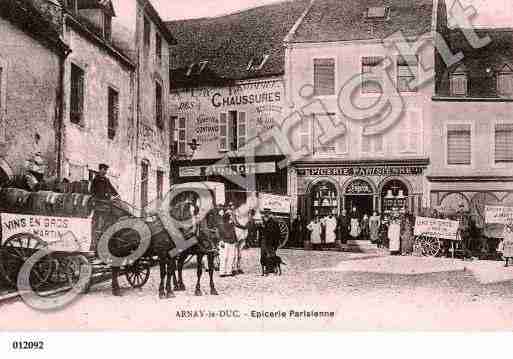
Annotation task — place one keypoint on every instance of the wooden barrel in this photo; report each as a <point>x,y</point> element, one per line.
<point>84,205</point>
<point>59,204</point>
<point>42,202</point>
<point>14,199</point>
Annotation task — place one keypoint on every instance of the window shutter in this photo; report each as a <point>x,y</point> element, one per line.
<point>458,83</point>
<point>378,143</point>
<point>366,144</point>
<point>324,77</point>
<point>241,129</point>
<point>458,144</point>
<point>372,80</point>
<point>306,133</point>
<point>407,72</point>
<point>182,135</point>
<point>505,83</point>
<point>414,129</point>
<point>223,132</point>
<point>504,143</point>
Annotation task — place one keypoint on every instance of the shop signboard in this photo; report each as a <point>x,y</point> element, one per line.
<point>357,171</point>
<point>67,234</point>
<point>433,227</point>
<point>498,214</point>
<point>228,170</point>
<point>276,203</point>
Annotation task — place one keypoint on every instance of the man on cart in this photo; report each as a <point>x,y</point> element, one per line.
<point>101,187</point>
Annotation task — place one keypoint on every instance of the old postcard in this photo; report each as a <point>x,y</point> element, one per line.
<point>256,165</point>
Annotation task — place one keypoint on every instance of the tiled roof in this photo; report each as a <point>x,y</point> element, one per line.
<point>481,64</point>
<point>229,42</point>
<point>343,20</point>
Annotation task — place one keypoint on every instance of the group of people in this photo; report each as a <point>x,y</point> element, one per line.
<point>234,228</point>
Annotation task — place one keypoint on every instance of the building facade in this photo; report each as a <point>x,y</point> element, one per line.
<point>364,106</point>
<point>31,58</point>
<point>472,143</point>
<point>228,89</point>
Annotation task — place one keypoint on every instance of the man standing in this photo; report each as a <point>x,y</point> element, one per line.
<point>101,187</point>
<point>270,238</point>
<point>342,227</point>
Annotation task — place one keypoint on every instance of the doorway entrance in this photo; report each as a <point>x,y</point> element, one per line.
<point>362,203</point>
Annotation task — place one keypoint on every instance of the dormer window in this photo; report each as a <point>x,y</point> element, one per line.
<point>505,81</point>
<point>257,63</point>
<point>107,27</point>
<point>377,13</point>
<point>196,68</point>
<point>458,81</point>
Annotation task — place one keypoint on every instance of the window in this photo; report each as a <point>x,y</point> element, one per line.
<point>147,33</point>
<point>317,132</point>
<point>458,81</point>
<point>257,63</point>
<point>160,184</point>
<point>505,81</point>
<point>232,130</point>
<point>173,138</point>
<point>324,77</point>
<point>107,27</point>
<point>223,132</point>
<point>377,12</point>
<point>77,95</point>
<point>113,113</point>
<point>306,133</point>
<point>407,73</point>
<point>372,81</point>
<point>504,143</point>
<point>410,130</point>
<point>458,144</point>
<point>144,183</point>
<point>372,144</point>
<point>158,106</point>
<point>158,47</point>
<point>241,130</point>
<point>182,136</point>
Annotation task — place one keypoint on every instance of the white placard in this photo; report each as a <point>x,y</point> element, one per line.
<point>498,214</point>
<point>276,203</point>
<point>440,228</point>
<point>68,234</point>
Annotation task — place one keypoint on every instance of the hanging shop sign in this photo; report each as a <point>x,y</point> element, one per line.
<point>359,187</point>
<point>498,214</point>
<point>433,227</point>
<point>362,171</point>
<point>227,170</point>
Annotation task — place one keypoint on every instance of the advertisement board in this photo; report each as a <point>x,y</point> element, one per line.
<point>433,227</point>
<point>498,214</point>
<point>276,203</point>
<point>61,233</point>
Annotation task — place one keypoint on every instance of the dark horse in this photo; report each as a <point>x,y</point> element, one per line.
<point>160,245</point>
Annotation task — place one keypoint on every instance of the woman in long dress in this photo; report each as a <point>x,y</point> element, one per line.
<point>406,235</point>
<point>355,224</point>
<point>374,223</point>
<point>394,233</point>
<point>330,225</point>
<point>507,242</point>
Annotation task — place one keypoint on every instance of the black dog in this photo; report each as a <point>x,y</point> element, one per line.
<point>272,265</point>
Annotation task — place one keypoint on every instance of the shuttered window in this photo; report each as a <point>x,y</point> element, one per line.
<point>182,136</point>
<point>505,81</point>
<point>504,143</point>
<point>158,47</point>
<point>458,81</point>
<point>324,77</point>
<point>459,150</point>
<point>147,33</point>
<point>107,27</point>
<point>407,73</point>
<point>160,184</point>
<point>145,172</point>
<point>223,132</point>
<point>372,79</point>
<point>158,106</point>
<point>241,129</point>
<point>77,95</point>
<point>113,115</point>
<point>306,133</point>
<point>372,144</point>
<point>410,131</point>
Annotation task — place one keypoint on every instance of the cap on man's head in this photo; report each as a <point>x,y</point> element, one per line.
<point>267,211</point>
<point>103,166</point>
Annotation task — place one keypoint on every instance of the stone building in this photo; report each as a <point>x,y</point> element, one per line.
<point>364,106</point>
<point>472,142</point>
<point>32,56</point>
<point>227,88</point>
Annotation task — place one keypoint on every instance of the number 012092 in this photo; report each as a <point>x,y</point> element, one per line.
<point>27,345</point>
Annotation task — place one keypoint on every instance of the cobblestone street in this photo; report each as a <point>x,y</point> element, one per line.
<point>365,292</point>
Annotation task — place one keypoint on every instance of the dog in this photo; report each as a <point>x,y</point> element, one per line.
<point>272,265</point>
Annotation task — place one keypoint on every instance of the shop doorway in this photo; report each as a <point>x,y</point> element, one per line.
<point>362,203</point>
<point>394,197</point>
<point>324,199</point>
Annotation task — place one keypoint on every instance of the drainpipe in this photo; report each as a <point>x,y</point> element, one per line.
<point>61,108</point>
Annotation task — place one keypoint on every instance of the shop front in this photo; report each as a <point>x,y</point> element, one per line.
<point>239,177</point>
<point>328,188</point>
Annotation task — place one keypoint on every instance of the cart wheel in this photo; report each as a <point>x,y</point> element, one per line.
<point>137,274</point>
<point>16,251</point>
<point>430,246</point>
<point>284,233</point>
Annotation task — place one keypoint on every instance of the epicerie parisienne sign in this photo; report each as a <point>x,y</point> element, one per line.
<point>498,214</point>
<point>61,233</point>
<point>433,227</point>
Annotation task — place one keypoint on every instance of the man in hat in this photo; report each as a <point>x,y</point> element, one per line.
<point>101,187</point>
<point>270,236</point>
